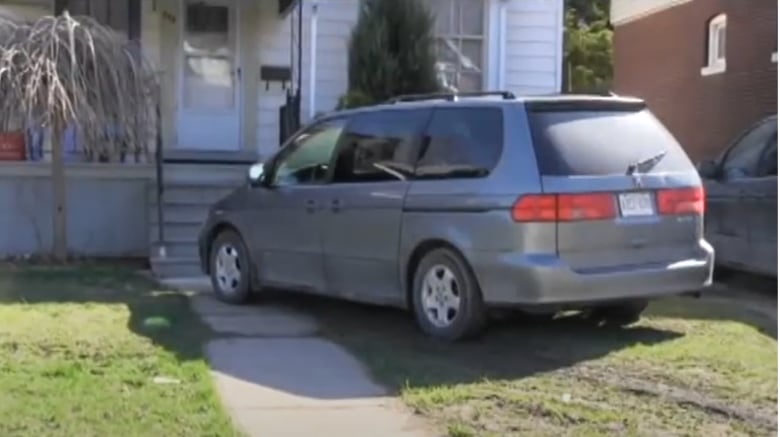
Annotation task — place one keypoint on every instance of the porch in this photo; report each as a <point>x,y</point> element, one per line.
<point>230,79</point>
<point>230,71</point>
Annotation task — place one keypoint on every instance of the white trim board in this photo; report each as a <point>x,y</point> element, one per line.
<point>626,11</point>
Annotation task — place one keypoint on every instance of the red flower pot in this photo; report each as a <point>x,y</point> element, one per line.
<point>13,146</point>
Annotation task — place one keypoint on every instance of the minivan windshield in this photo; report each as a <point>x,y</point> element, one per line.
<point>587,142</point>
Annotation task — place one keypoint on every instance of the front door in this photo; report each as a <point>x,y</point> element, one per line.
<point>208,116</point>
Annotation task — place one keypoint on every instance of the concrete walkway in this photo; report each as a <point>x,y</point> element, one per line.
<point>277,378</point>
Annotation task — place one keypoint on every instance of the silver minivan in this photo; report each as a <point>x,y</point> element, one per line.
<point>453,205</point>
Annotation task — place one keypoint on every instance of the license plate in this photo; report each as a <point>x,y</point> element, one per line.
<point>636,204</point>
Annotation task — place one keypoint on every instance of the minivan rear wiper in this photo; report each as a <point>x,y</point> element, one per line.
<point>451,171</point>
<point>646,165</point>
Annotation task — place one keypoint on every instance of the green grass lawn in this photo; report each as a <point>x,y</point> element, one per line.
<point>690,367</point>
<point>80,349</point>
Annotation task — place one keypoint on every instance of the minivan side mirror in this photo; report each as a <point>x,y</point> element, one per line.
<point>256,174</point>
<point>708,169</point>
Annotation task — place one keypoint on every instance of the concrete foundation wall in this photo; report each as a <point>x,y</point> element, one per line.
<point>107,209</point>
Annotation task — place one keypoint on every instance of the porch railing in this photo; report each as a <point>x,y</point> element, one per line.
<point>160,184</point>
<point>289,116</point>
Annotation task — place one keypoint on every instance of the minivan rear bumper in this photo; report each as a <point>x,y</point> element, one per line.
<point>511,278</point>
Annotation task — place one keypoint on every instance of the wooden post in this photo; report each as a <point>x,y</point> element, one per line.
<point>59,192</point>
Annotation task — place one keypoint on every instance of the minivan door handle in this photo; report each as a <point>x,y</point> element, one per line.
<point>311,206</point>
<point>336,205</point>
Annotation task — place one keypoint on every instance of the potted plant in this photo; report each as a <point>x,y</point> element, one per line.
<point>13,144</point>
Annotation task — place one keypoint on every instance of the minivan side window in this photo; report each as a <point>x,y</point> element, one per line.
<point>461,142</point>
<point>379,146</point>
<point>305,160</point>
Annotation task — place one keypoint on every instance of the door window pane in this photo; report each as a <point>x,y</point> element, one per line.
<point>208,58</point>
<point>462,142</point>
<point>380,146</point>
<point>306,159</point>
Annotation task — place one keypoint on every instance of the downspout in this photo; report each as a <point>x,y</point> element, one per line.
<point>502,34</point>
<point>560,47</point>
<point>299,92</point>
<point>313,60</point>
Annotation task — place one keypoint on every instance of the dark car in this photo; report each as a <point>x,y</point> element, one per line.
<point>741,217</point>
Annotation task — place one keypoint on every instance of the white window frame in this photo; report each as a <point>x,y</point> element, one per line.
<point>716,61</point>
<point>458,36</point>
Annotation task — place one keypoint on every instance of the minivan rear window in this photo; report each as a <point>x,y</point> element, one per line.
<point>586,142</point>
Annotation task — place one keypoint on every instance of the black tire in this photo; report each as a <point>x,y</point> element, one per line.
<point>470,317</point>
<point>243,286</point>
<point>622,314</point>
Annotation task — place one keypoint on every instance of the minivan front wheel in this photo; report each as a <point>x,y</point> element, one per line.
<point>230,268</point>
<point>447,300</point>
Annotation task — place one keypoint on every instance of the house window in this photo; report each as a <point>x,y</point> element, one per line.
<point>460,43</point>
<point>112,13</point>
<point>716,46</point>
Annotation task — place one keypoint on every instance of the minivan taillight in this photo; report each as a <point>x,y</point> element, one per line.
<point>564,207</point>
<point>681,201</point>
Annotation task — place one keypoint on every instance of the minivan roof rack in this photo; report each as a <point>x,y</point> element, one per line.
<point>451,97</point>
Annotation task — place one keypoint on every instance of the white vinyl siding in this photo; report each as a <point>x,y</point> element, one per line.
<point>335,20</point>
<point>534,44</point>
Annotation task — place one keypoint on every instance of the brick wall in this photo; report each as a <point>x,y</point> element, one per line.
<point>659,58</point>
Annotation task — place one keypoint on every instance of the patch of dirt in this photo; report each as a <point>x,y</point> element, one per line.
<point>618,378</point>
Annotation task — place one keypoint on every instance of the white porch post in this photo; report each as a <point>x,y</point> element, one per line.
<point>502,44</point>
<point>313,60</point>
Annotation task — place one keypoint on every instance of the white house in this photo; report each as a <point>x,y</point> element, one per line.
<point>213,57</point>
<point>210,52</point>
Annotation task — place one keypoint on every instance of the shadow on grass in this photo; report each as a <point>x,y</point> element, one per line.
<point>738,297</point>
<point>513,348</point>
<point>386,339</point>
<point>163,317</point>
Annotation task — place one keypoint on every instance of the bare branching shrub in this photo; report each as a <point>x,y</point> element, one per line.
<point>72,72</point>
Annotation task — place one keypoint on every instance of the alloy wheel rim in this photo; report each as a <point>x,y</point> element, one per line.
<point>228,269</point>
<point>441,296</point>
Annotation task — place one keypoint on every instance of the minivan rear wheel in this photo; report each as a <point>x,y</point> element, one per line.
<point>446,297</point>
<point>230,268</point>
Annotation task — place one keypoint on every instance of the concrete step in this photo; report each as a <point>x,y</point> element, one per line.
<point>174,231</point>
<point>191,194</point>
<point>179,248</point>
<point>200,174</point>
<point>176,267</point>
<point>180,215</point>
<point>179,157</point>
